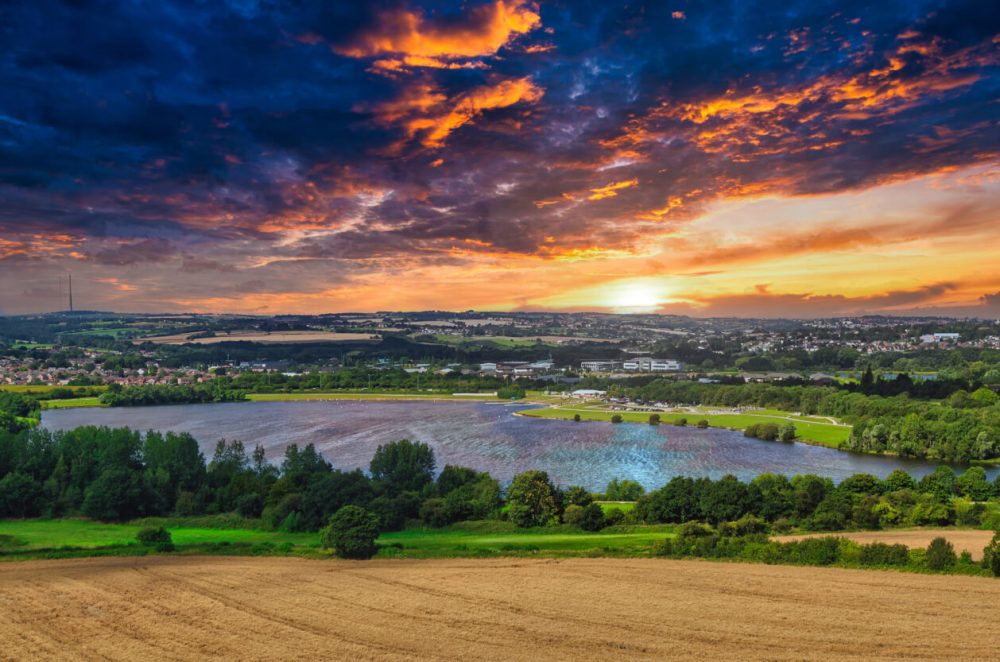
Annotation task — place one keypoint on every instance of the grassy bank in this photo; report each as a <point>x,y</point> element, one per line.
<point>38,538</point>
<point>809,429</point>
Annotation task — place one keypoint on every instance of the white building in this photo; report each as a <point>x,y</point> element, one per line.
<point>649,364</point>
<point>939,337</point>
<point>600,366</point>
<point>588,393</point>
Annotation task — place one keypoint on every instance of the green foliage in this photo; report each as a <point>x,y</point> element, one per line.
<point>592,518</point>
<point>702,424</point>
<point>532,499</point>
<point>577,495</point>
<point>764,431</point>
<point>351,533</point>
<point>991,555</point>
<point>881,554</point>
<point>402,466</point>
<point>153,535</point>
<point>616,418</point>
<point>654,419</point>
<point>940,554</point>
<point>623,490</point>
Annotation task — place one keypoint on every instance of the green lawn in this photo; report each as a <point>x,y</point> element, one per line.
<point>484,538</point>
<point>41,389</point>
<point>502,538</point>
<point>71,402</point>
<point>38,534</point>
<point>807,428</point>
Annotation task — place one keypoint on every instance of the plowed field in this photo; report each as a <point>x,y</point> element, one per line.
<point>574,609</point>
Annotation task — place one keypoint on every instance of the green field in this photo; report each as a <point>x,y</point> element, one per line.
<point>32,389</point>
<point>26,538</point>
<point>808,428</point>
<point>69,403</point>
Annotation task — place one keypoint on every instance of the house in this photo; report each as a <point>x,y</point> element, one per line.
<point>649,364</point>
<point>588,393</point>
<point>600,366</point>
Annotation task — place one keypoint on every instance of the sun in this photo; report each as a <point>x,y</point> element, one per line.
<point>636,297</point>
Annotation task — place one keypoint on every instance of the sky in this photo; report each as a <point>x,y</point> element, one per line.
<point>796,158</point>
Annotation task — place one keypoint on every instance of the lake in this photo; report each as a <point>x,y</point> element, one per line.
<point>490,437</point>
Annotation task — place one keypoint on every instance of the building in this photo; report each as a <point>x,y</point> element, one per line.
<point>600,366</point>
<point>649,364</point>
<point>932,338</point>
<point>588,393</point>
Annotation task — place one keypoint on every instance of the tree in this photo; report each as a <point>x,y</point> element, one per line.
<point>623,490</point>
<point>787,433</point>
<point>592,518</point>
<point>940,554</point>
<point>973,484</point>
<point>532,499</point>
<point>577,495</point>
<point>616,418</point>
<point>117,494</point>
<point>402,466</point>
<point>898,480</point>
<point>20,496</point>
<point>351,533</point>
<point>654,419</point>
<point>991,555</point>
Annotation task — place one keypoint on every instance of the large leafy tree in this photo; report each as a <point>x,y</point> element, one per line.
<point>532,499</point>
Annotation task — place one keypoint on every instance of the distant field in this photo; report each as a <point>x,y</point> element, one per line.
<point>807,428</point>
<point>43,389</point>
<point>487,609</point>
<point>518,341</point>
<point>70,403</point>
<point>259,337</point>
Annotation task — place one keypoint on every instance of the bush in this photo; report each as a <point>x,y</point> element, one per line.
<point>591,518</point>
<point>576,418</point>
<point>351,533</point>
<point>694,530</point>
<point>572,514</point>
<point>744,526</point>
<point>940,554</point>
<point>654,419</point>
<point>614,516</point>
<point>153,535</point>
<point>435,513</point>
<point>681,422</point>
<point>616,418</point>
<point>991,555</point>
<point>879,553</point>
<point>702,424</point>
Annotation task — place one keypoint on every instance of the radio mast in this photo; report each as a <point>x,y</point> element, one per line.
<point>70,292</point>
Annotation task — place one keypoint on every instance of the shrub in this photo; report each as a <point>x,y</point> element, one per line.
<point>577,495</point>
<point>576,418</point>
<point>572,514</point>
<point>351,533</point>
<point>744,526</point>
<point>153,535</point>
<point>616,418</point>
<point>940,554</point>
<point>702,424</point>
<point>591,518</point>
<point>434,513</point>
<point>614,516</point>
<point>694,530</point>
<point>654,419</point>
<point>879,553</point>
<point>681,422</point>
<point>991,555</point>
<point>787,433</point>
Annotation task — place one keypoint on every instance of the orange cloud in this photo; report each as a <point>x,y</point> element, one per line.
<point>611,190</point>
<point>430,116</point>
<point>414,40</point>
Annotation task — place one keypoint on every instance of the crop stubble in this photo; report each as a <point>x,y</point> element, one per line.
<point>285,608</point>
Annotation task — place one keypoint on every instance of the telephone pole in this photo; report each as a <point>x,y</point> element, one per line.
<point>70,292</point>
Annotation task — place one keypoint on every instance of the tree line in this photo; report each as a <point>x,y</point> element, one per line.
<point>121,474</point>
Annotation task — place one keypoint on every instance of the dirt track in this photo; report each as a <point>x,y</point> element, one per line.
<point>972,540</point>
<point>280,608</point>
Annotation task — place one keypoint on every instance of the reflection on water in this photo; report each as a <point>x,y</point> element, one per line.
<point>490,437</point>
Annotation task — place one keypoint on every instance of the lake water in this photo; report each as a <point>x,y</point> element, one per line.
<point>490,437</point>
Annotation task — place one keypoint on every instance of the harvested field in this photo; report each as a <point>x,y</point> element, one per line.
<point>574,609</point>
<point>260,337</point>
<point>963,539</point>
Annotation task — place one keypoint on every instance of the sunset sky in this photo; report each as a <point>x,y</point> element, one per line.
<point>789,158</point>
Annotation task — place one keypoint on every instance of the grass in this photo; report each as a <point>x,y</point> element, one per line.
<point>69,403</point>
<point>39,538</point>
<point>32,389</point>
<point>386,395</point>
<point>40,534</point>
<point>807,428</point>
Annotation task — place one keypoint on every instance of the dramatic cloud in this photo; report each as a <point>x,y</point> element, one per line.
<point>502,154</point>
